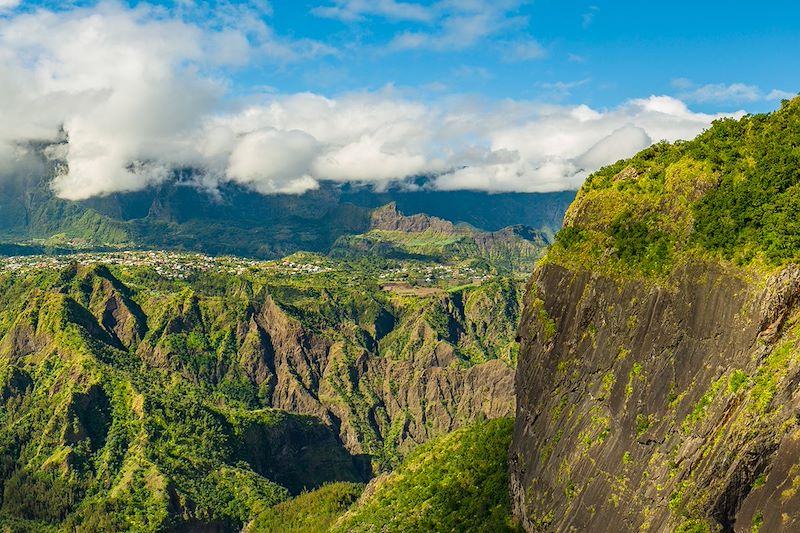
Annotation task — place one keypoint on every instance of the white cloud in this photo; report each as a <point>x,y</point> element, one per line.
<point>9,4</point>
<point>126,95</point>
<point>720,92</point>
<point>522,50</point>
<point>777,94</point>
<point>561,89</point>
<point>682,83</point>
<point>553,148</point>
<point>726,93</point>
<point>131,88</point>
<point>507,146</point>
<point>459,31</point>
<point>357,10</point>
<point>274,161</point>
<point>445,25</point>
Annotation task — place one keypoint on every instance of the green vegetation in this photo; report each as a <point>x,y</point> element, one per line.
<point>758,521</point>
<point>643,423</point>
<point>456,483</point>
<point>699,411</point>
<point>237,220</point>
<point>310,512</point>
<point>506,252</point>
<point>694,526</point>
<point>732,192</point>
<point>770,372</point>
<point>141,395</point>
<point>737,380</point>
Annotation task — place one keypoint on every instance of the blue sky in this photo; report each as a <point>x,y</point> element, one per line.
<point>497,95</point>
<point>598,53</point>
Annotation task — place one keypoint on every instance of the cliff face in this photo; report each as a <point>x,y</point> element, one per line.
<point>383,371</point>
<point>657,380</point>
<point>638,412</point>
<point>395,235</point>
<point>386,382</point>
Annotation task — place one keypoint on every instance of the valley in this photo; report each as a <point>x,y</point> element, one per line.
<point>171,378</point>
<point>399,266</point>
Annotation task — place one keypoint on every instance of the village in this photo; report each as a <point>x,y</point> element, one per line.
<point>183,265</point>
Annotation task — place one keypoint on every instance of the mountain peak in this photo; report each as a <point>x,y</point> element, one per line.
<point>389,218</point>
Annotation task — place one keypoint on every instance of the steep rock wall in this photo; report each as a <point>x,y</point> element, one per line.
<point>667,406</point>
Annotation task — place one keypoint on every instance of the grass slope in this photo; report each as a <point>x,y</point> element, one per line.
<point>458,482</point>
<point>311,512</point>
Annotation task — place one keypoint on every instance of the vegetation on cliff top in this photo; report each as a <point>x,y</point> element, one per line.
<point>314,511</point>
<point>733,193</point>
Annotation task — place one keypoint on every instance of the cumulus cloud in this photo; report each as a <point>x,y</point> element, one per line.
<point>466,144</point>
<point>123,96</point>
<point>116,81</point>
<point>274,161</point>
<point>553,148</point>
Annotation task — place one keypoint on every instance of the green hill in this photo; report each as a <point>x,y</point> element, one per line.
<point>457,482</point>
<point>178,215</point>
<point>396,236</point>
<point>731,193</point>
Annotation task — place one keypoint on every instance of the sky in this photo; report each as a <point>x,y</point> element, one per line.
<point>279,95</point>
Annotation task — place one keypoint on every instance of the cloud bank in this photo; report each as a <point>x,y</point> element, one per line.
<point>124,96</point>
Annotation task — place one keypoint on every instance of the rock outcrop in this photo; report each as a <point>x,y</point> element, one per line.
<point>397,236</point>
<point>658,379</point>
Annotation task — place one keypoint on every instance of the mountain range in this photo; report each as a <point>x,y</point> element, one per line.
<point>645,378</point>
<point>180,215</point>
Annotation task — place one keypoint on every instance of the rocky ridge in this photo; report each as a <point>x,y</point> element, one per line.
<point>657,379</point>
<point>113,375</point>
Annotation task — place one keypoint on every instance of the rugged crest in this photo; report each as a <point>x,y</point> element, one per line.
<point>395,235</point>
<point>128,400</point>
<point>661,345</point>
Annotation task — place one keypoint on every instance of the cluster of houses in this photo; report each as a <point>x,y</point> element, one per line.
<point>181,265</point>
<point>173,265</point>
<point>432,273</point>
